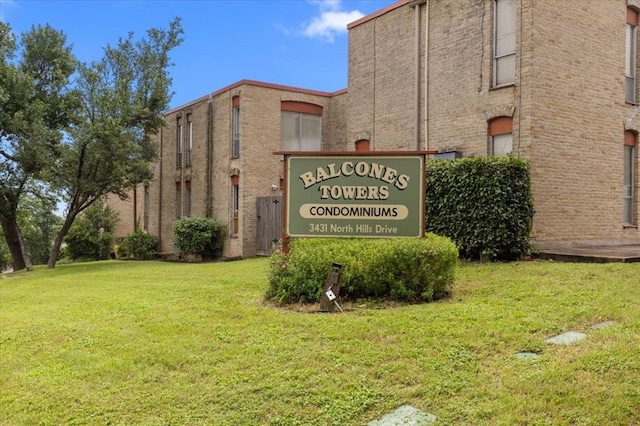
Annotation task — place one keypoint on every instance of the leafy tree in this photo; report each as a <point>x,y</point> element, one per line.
<point>35,106</point>
<point>91,235</point>
<point>109,148</point>
<point>4,253</point>
<point>38,223</point>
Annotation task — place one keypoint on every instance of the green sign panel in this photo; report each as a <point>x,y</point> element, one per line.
<point>355,196</point>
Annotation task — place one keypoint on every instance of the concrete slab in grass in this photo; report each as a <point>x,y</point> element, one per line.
<point>527,355</point>
<point>405,415</point>
<point>567,338</point>
<point>601,325</point>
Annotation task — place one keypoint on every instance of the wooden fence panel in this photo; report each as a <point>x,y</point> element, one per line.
<point>269,214</point>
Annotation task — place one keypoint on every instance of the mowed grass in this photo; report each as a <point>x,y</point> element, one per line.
<point>152,343</point>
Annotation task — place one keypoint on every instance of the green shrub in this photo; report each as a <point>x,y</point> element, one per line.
<point>38,223</point>
<point>199,236</point>
<point>138,245</point>
<point>4,254</point>
<point>404,269</point>
<point>121,249</point>
<point>84,243</point>
<point>90,237</point>
<point>483,204</point>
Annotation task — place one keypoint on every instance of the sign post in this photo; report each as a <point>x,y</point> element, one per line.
<point>332,289</point>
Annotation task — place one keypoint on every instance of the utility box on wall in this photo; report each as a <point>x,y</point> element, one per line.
<point>447,155</point>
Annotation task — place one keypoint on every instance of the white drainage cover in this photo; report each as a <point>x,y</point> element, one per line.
<point>405,416</point>
<point>567,338</point>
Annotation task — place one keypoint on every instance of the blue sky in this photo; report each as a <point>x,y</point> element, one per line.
<point>290,42</point>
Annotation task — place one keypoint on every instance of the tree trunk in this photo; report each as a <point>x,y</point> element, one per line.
<point>57,243</point>
<point>14,240</point>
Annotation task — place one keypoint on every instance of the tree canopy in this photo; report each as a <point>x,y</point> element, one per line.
<point>36,104</point>
<point>83,129</point>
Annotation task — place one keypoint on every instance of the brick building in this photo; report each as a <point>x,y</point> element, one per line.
<point>543,80</point>
<point>553,82</point>
<point>216,159</point>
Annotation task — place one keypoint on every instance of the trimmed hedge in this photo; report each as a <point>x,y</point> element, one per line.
<point>406,269</point>
<point>202,236</point>
<point>483,204</point>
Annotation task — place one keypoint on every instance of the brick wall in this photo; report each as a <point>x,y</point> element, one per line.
<point>567,107</point>
<point>212,167</point>
<point>567,104</point>
<point>125,223</point>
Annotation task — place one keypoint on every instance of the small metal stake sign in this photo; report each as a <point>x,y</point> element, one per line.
<point>332,289</point>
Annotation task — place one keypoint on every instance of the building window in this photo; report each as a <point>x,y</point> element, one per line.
<point>629,179</point>
<point>235,127</point>
<point>504,42</point>
<point>301,126</point>
<point>189,139</point>
<point>179,143</point>
<point>500,136</point>
<point>630,56</point>
<point>187,207</point>
<point>235,205</point>
<point>178,200</point>
<point>145,220</point>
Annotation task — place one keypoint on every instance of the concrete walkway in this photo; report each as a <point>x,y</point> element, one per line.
<point>599,254</point>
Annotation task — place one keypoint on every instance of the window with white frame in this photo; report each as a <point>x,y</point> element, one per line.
<point>235,205</point>
<point>187,209</point>
<point>146,207</point>
<point>501,145</point>
<point>189,139</point>
<point>301,132</point>
<point>178,200</point>
<point>504,42</point>
<point>629,178</point>
<point>500,136</point>
<point>630,71</point>
<point>235,127</point>
<point>301,126</point>
<point>179,143</point>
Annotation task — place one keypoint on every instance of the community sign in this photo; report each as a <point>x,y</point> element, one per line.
<point>371,196</point>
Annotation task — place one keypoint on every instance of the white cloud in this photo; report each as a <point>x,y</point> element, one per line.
<point>331,21</point>
<point>327,4</point>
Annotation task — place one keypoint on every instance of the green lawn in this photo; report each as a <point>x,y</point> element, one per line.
<point>152,343</point>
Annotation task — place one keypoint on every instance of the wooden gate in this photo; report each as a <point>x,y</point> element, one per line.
<point>269,215</point>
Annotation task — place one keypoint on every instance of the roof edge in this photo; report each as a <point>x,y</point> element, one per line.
<point>379,13</point>
<point>257,84</point>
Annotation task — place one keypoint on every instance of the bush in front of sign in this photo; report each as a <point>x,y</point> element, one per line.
<point>402,269</point>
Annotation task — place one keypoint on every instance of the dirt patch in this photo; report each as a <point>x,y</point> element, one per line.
<point>9,276</point>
